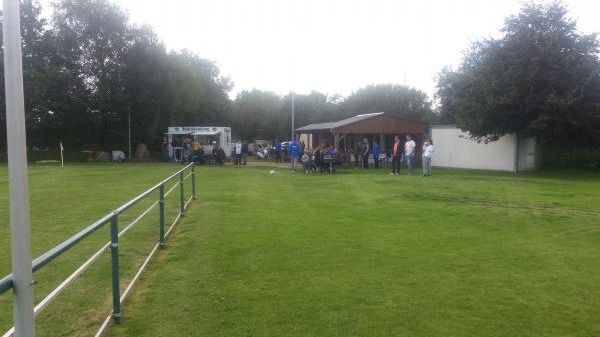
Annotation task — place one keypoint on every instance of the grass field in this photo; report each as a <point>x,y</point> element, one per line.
<point>357,253</point>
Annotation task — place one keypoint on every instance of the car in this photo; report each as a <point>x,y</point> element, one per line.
<point>284,150</point>
<point>254,148</point>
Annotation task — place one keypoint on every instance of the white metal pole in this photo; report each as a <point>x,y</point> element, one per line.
<point>292,116</point>
<point>17,171</point>
<point>129,132</point>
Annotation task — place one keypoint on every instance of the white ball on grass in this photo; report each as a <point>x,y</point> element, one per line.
<point>272,172</point>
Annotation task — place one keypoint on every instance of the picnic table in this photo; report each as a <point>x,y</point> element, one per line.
<point>330,160</point>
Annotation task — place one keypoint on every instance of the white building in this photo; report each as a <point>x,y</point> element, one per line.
<point>453,148</point>
<point>204,134</point>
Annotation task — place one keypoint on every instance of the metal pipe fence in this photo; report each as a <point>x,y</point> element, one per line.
<point>112,218</point>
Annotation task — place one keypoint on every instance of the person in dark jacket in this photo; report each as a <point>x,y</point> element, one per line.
<point>357,155</point>
<point>365,154</point>
<point>219,156</point>
<point>277,146</point>
<point>396,156</point>
<point>244,160</point>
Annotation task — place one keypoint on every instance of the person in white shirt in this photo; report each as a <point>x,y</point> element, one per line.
<point>238,153</point>
<point>409,152</point>
<point>307,162</point>
<point>427,154</point>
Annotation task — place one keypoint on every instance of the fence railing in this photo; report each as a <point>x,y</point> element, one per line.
<point>6,283</point>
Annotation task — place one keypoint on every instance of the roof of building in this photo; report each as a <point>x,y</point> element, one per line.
<point>333,125</point>
<point>368,123</point>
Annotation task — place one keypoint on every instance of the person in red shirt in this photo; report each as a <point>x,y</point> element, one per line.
<point>396,155</point>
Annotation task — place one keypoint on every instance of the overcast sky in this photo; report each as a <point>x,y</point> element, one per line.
<point>332,46</point>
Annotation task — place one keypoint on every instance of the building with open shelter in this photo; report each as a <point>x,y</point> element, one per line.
<point>379,127</point>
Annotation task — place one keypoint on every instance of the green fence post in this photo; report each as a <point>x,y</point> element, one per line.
<point>181,200</point>
<point>193,183</point>
<point>161,203</point>
<point>114,253</point>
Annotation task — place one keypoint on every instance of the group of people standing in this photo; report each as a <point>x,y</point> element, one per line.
<point>406,153</point>
<point>366,150</point>
<point>363,152</point>
<point>320,159</point>
<point>187,150</point>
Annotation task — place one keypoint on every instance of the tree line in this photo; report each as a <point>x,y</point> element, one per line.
<point>88,72</point>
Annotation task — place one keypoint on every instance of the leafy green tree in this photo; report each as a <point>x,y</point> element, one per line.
<point>93,34</point>
<point>144,78</point>
<point>445,84</point>
<point>33,43</point>
<point>255,115</point>
<point>541,79</point>
<point>193,91</point>
<point>390,98</point>
<point>315,107</point>
<point>178,88</point>
<point>88,71</point>
<point>36,77</point>
<point>260,114</point>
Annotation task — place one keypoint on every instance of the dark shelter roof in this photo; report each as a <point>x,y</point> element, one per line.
<point>368,123</point>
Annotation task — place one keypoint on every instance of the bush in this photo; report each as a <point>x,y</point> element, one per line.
<point>572,158</point>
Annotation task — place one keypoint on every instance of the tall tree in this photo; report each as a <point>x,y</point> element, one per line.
<point>89,71</point>
<point>541,79</point>
<point>146,69</point>
<point>37,75</point>
<point>93,36</point>
<point>196,92</point>
<point>315,107</point>
<point>393,99</point>
<point>445,84</point>
<point>255,115</point>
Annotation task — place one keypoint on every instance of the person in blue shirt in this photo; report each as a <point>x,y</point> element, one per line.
<point>294,152</point>
<point>375,151</point>
<point>329,151</point>
<point>277,147</point>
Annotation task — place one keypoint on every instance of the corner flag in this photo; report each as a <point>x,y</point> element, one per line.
<point>62,162</point>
